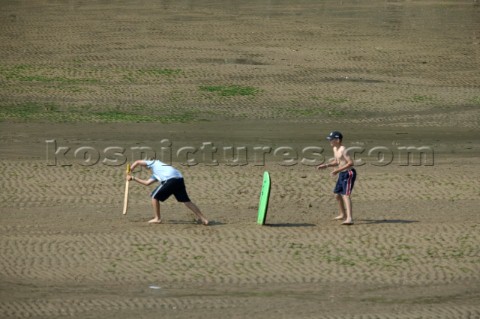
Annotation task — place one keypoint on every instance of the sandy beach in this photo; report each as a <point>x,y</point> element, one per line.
<point>400,79</point>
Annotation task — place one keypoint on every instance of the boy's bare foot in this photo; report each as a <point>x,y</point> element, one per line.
<point>347,223</point>
<point>155,221</point>
<point>203,222</point>
<point>339,217</point>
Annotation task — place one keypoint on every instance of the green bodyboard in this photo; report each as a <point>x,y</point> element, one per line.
<point>264,197</point>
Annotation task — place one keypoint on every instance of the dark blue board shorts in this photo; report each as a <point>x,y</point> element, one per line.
<point>172,186</point>
<point>345,182</point>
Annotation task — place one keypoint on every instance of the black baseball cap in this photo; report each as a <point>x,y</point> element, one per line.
<point>335,134</point>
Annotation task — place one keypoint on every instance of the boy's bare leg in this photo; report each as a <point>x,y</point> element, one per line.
<point>156,212</point>
<point>348,209</point>
<point>197,212</point>
<point>341,208</point>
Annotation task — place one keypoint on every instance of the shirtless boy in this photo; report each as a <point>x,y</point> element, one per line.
<point>346,177</point>
<point>171,183</point>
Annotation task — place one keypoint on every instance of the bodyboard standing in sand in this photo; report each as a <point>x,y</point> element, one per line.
<point>264,197</point>
<point>125,198</point>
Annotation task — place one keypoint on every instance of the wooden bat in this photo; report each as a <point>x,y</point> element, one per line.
<point>125,199</point>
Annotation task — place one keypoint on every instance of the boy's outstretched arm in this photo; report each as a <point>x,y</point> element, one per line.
<point>332,162</point>
<point>145,182</point>
<point>138,163</point>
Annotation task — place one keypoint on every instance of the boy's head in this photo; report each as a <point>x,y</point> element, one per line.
<point>335,135</point>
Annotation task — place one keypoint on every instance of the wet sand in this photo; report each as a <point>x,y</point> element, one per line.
<point>388,74</point>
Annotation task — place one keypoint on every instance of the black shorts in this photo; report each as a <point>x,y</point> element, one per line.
<point>345,182</point>
<point>175,186</point>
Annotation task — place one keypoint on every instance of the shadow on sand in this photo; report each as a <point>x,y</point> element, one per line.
<point>386,221</point>
<point>290,225</point>
<point>192,222</point>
